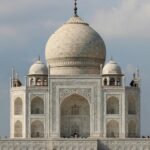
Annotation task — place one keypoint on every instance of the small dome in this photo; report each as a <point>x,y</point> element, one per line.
<point>111,68</point>
<point>38,68</point>
<point>75,48</point>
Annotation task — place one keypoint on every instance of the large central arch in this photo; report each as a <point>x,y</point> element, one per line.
<point>75,117</point>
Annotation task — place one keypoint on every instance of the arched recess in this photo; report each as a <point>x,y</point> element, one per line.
<point>37,129</point>
<point>113,129</point>
<point>75,117</point>
<point>132,128</point>
<point>112,106</point>
<point>38,82</point>
<point>45,82</point>
<point>37,106</point>
<point>131,105</point>
<point>18,106</point>
<point>105,81</point>
<point>112,82</point>
<point>18,129</point>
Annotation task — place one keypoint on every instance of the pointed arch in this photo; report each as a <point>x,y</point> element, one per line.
<point>38,82</point>
<point>112,81</point>
<point>45,83</point>
<point>75,117</point>
<point>37,106</point>
<point>18,129</point>
<point>18,106</point>
<point>113,129</point>
<point>105,81</point>
<point>112,106</point>
<point>37,129</point>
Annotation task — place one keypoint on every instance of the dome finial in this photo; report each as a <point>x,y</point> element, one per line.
<point>75,8</point>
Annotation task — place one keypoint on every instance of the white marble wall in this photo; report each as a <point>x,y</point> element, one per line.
<point>87,87</point>
<point>18,92</point>
<point>27,94</point>
<point>119,93</point>
<point>61,87</point>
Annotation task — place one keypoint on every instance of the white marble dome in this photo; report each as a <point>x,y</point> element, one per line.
<point>38,68</point>
<point>75,48</point>
<point>112,68</point>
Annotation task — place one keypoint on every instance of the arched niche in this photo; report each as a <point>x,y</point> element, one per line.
<point>112,81</point>
<point>37,106</point>
<point>105,81</point>
<point>18,129</point>
<point>112,129</point>
<point>37,129</point>
<point>131,105</point>
<point>18,106</point>
<point>38,82</point>
<point>132,128</point>
<point>45,83</point>
<point>112,105</point>
<point>75,117</point>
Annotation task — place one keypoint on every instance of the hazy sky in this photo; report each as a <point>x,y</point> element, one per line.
<point>25,26</point>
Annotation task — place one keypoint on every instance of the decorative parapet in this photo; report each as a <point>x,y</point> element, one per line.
<point>65,92</point>
<point>75,144</point>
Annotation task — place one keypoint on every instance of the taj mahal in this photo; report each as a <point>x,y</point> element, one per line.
<point>77,100</point>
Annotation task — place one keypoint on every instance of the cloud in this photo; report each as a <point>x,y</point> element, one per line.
<point>129,19</point>
<point>23,21</point>
<point>12,7</point>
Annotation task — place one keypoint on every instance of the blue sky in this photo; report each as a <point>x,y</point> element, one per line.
<point>26,25</point>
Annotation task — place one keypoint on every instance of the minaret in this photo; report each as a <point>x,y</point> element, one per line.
<point>136,79</point>
<point>15,82</point>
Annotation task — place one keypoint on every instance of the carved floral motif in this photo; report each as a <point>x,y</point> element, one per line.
<point>65,92</point>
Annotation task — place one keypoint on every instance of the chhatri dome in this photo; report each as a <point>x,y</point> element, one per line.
<point>112,68</point>
<point>38,68</point>
<point>75,48</point>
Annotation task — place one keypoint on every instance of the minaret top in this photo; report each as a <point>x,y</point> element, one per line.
<point>39,58</point>
<point>75,8</point>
